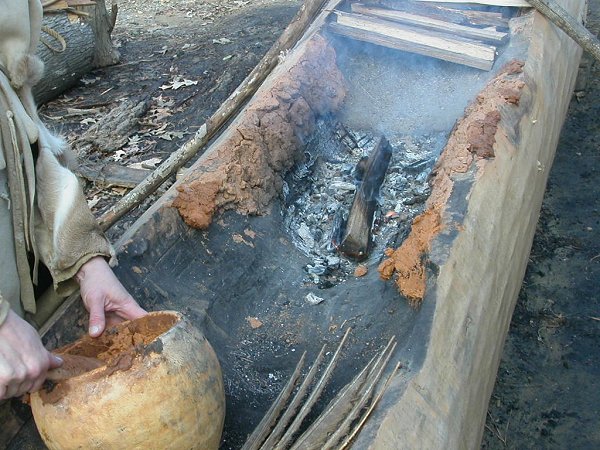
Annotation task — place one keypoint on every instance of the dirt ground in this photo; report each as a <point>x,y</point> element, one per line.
<point>181,59</point>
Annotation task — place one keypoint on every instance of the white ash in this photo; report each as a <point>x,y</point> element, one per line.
<point>319,190</point>
<point>314,299</point>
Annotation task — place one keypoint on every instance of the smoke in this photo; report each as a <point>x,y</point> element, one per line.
<point>393,92</point>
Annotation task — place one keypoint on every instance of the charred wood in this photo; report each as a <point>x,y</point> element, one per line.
<point>112,174</point>
<point>112,131</point>
<point>370,174</point>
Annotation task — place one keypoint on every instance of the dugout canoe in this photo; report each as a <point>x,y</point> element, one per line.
<point>240,243</point>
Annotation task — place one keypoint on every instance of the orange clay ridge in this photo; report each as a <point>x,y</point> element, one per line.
<point>246,171</point>
<point>472,140</point>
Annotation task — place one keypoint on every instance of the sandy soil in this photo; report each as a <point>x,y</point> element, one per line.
<point>547,393</point>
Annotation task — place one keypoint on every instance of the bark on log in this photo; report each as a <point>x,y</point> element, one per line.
<point>87,46</point>
<point>112,174</point>
<point>63,69</point>
<point>102,24</point>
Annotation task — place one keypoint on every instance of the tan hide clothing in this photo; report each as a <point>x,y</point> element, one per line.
<point>49,215</point>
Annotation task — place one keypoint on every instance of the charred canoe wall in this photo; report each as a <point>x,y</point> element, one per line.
<point>245,169</point>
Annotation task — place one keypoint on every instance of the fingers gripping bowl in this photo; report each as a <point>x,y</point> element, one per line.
<point>160,386</point>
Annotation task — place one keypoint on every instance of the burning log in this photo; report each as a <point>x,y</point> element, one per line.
<point>483,34</point>
<point>416,40</point>
<point>370,174</point>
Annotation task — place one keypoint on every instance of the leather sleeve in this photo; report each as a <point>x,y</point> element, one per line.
<point>66,232</point>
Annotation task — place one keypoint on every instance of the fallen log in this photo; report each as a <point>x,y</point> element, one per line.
<point>112,130</point>
<point>423,42</point>
<point>75,40</point>
<point>370,174</point>
<point>483,34</point>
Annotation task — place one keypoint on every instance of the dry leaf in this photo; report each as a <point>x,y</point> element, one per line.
<point>169,135</point>
<point>178,83</point>
<point>119,191</point>
<point>88,121</point>
<point>314,299</point>
<point>93,201</point>
<point>163,102</point>
<point>118,156</point>
<point>134,140</point>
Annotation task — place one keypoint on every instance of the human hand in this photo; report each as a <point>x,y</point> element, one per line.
<point>105,298</point>
<point>24,361</point>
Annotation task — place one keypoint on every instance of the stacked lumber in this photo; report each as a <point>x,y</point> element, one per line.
<point>441,11</point>
<point>461,36</point>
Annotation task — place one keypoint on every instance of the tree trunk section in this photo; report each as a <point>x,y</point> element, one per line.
<point>83,44</point>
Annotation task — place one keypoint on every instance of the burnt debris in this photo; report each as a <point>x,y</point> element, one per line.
<point>320,190</point>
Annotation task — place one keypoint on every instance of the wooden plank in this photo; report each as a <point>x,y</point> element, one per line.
<point>513,3</point>
<point>402,37</point>
<point>441,12</point>
<point>483,34</point>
